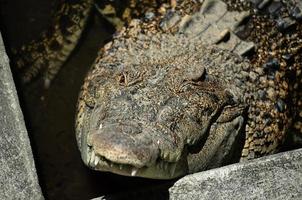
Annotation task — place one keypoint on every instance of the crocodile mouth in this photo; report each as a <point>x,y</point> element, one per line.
<point>116,149</point>
<point>159,170</point>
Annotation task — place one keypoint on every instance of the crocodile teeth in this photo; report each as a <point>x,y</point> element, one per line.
<point>92,158</point>
<point>88,156</point>
<point>134,171</point>
<point>121,167</point>
<point>189,141</point>
<point>96,161</point>
<point>166,154</point>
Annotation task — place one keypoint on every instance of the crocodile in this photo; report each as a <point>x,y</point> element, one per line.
<point>173,96</point>
<point>185,86</point>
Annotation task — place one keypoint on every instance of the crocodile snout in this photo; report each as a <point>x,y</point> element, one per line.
<point>123,144</point>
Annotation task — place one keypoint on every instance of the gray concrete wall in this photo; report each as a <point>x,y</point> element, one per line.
<point>18,178</point>
<point>273,177</point>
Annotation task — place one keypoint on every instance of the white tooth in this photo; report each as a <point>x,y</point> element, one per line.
<point>88,156</point>
<point>166,155</point>
<point>121,167</point>
<point>96,161</point>
<point>111,164</point>
<point>101,126</point>
<point>134,171</point>
<point>92,158</point>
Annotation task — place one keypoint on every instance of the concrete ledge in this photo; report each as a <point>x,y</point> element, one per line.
<point>18,178</point>
<point>273,177</point>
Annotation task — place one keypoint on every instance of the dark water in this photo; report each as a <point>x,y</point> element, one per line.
<point>49,114</point>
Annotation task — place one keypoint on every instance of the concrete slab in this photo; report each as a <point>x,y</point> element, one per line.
<point>18,178</point>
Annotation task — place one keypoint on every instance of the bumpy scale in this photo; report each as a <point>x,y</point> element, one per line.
<point>49,52</point>
<point>164,99</point>
<point>159,104</point>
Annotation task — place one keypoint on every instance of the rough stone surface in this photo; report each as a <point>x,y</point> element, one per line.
<point>274,177</point>
<point>18,179</point>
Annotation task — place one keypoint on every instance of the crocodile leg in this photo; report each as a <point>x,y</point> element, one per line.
<point>53,47</point>
<point>49,52</point>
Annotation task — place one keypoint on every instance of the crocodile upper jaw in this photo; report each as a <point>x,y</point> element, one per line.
<point>121,153</point>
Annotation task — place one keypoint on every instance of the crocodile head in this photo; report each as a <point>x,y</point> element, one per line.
<point>144,119</point>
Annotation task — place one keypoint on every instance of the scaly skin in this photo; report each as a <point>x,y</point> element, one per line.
<point>54,46</point>
<point>48,53</point>
<point>147,113</point>
<point>160,106</point>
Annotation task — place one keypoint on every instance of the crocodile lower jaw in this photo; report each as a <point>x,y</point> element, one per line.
<point>160,170</point>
